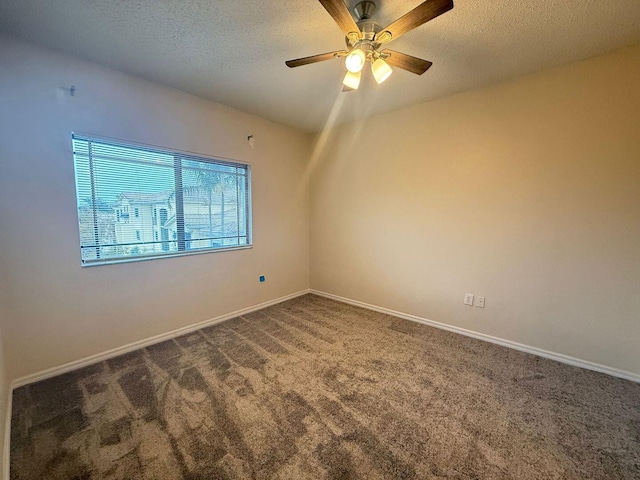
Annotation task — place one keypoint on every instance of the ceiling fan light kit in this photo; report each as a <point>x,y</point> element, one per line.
<point>355,60</point>
<point>352,80</point>
<point>365,39</point>
<point>381,70</point>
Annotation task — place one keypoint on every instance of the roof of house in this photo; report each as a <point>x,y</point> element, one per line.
<point>146,198</point>
<point>190,196</point>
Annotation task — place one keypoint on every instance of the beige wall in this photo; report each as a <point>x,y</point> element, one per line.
<point>57,311</point>
<point>527,193</point>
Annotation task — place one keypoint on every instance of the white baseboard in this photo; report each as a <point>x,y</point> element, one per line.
<point>559,357</point>
<point>99,357</point>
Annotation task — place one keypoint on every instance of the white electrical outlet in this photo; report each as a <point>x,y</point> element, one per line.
<point>468,298</point>
<point>480,302</point>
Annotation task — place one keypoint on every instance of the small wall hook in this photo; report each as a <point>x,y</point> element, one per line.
<point>72,90</point>
<point>252,141</point>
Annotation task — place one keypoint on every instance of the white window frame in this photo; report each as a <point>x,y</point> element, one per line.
<point>182,242</point>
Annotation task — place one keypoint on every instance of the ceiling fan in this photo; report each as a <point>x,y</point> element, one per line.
<point>365,38</point>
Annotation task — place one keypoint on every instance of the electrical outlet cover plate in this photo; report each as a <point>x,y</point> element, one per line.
<point>480,302</point>
<point>468,299</point>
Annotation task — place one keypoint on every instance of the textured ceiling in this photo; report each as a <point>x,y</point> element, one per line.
<point>233,51</point>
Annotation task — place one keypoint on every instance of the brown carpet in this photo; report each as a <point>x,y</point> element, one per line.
<point>316,389</point>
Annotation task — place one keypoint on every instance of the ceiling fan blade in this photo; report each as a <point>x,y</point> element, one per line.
<point>298,62</point>
<point>424,12</point>
<point>407,62</point>
<point>340,13</point>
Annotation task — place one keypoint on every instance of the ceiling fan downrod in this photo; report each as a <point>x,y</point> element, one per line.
<point>364,10</point>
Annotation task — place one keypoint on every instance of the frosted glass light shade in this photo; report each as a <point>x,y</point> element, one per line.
<point>381,70</point>
<point>352,80</point>
<point>355,60</point>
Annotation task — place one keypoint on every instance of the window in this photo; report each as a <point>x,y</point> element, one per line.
<point>186,203</point>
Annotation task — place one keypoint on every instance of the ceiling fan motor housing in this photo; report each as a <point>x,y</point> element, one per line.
<point>368,30</point>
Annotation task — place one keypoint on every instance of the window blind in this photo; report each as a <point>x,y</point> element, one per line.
<point>136,201</point>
